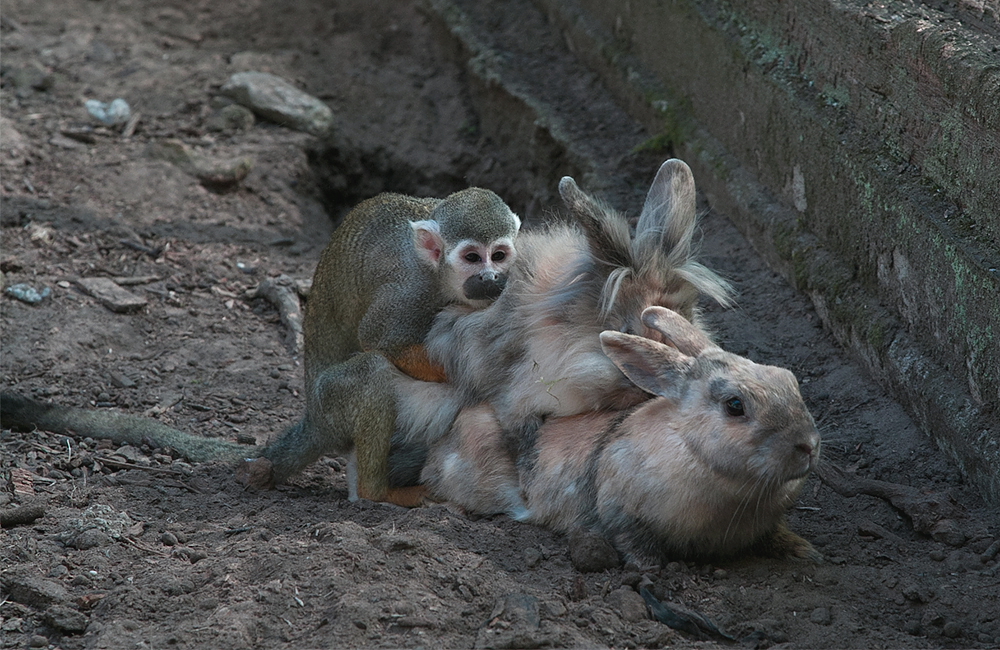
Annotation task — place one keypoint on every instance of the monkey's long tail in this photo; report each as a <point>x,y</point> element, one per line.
<point>25,414</point>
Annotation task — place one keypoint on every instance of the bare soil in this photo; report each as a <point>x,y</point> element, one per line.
<point>139,549</point>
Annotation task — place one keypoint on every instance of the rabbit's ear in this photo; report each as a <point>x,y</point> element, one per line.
<point>655,368</point>
<point>667,220</point>
<point>677,330</point>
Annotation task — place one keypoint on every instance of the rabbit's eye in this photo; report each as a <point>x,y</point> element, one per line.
<point>734,407</point>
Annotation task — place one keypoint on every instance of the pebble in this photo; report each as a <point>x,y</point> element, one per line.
<point>952,630</point>
<point>111,295</point>
<point>591,553</point>
<point>231,118</point>
<point>274,99</point>
<point>532,557</point>
<point>168,539</point>
<point>115,113</point>
<point>211,172</point>
<point>38,641</point>
<point>91,538</point>
<point>821,616</point>
<point>948,532</point>
<point>66,619</point>
<point>27,293</point>
<point>629,605</point>
<point>33,591</point>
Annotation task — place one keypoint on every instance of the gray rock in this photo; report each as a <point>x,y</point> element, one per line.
<point>90,538</point>
<point>66,619</point>
<point>629,605</point>
<point>821,616</point>
<point>27,293</point>
<point>32,590</point>
<point>233,117</point>
<point>115,113</point>
<point>532,557</point>
<point>274,99</point>
<point>111,295</point>
<point>589,552</point>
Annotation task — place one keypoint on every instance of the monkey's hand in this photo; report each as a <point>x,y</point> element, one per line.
<point>414,361</point>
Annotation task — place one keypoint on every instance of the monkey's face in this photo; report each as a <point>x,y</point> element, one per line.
<point>479,271</point>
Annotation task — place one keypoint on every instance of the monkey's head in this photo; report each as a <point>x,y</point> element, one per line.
<point>469,238</point>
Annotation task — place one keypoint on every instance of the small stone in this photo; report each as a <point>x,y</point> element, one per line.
<point>532,557</point>
<point>912,627</point>
<point>274,99</point>
<point>66,619</point>
<point>948,532</point>
<point>631,579</point>
<point>27,293</point>
<point>937,555</point>
<point>168,539</point>
<point>232,117</point>
<point>952,630</point>
<point>821,616</point>
<point>38,641</point>
<point>211,172</point>
<point>90,538</point>
<point>254,474</point>
<point>115,113</point>
<point>58,571</point>
<point>121,380</point>
<point>111,295</point>
<point>630,605</point>
<point>591,553</point>
<point>33,591</point>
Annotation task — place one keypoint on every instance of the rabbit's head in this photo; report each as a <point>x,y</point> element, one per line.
<point>744,420</point>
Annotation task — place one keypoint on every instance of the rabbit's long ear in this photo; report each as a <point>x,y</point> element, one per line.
<point>607,232</point>
<point>667,221</point>
<point>655,368</point>
<point>677,330</point>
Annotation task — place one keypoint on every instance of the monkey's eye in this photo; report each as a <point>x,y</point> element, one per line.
<point>499,256</point>
<point>473,258</point>
<point>734,407</point>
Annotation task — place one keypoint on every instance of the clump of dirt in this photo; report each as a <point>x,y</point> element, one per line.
<point>132,546</point>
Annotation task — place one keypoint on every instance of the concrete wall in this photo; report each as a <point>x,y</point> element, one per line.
<point>857,145</point>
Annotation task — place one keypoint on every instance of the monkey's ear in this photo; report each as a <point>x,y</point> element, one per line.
<point>428,242</point>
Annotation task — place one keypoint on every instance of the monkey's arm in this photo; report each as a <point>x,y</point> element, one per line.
<point>395,326</point>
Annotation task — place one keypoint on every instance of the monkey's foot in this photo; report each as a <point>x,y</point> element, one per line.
<point>408,497</point>
<point>255,474</point>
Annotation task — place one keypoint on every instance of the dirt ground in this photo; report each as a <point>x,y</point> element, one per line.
<point>138,549</point>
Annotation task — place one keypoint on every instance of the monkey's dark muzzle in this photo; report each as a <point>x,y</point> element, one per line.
<point>485,286</point>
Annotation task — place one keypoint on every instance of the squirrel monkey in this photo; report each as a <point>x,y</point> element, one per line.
<point>394,262</point>
<point>392,265</point>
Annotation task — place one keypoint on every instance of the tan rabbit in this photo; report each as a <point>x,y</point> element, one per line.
<point>707,468</point>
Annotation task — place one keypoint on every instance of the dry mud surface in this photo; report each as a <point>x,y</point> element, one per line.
<point>137,549</point>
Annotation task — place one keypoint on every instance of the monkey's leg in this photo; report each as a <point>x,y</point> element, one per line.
<point>354,404</point>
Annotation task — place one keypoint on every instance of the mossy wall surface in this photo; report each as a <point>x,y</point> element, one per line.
<point>858,146</point>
